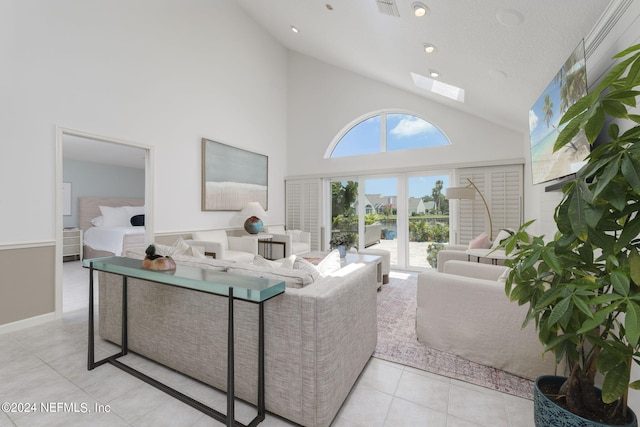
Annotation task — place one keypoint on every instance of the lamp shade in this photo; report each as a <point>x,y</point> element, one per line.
<point>454,193</point>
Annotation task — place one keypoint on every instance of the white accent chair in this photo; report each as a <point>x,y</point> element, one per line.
<point>464,311</point>
<point>296,242</point>
<point>222,246</point>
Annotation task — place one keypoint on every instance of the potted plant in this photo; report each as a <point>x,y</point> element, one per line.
<point>343,242</point>
<point>583,286</point>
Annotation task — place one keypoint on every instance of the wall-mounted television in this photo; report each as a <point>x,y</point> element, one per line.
<point>567,87</point>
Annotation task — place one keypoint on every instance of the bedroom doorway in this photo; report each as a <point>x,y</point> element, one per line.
<point>90,165</point>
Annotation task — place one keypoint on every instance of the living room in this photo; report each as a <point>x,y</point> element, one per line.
<point>164,76</point>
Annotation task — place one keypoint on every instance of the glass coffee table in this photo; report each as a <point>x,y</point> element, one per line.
<point>252,289</point>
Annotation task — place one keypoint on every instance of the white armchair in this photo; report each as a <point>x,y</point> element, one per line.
<point>296,242</point>
<point>221,246</point>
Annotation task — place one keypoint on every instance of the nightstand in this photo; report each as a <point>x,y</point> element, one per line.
<point>71,244</point>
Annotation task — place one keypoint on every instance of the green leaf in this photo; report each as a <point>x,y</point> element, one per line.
<point>559,310</point>
<point>632,323</point>
<point>577,214</point>
<point>615,383</point>
<point>595,123</point>
<point>630,168</point>
<point>635,385</point>
<point>621,283</point>
<point>610,172</point>
<point>567,134</point>
<point>613,108</point>
<point>582,306</point>
<point>578,108</point>
<point>630,231</point>
<point>634,266</point>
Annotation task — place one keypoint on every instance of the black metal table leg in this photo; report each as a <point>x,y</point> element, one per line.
<point>90,353</point>
<point>230,365</point>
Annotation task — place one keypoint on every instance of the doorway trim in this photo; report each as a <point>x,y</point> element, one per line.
<point>59,224</point>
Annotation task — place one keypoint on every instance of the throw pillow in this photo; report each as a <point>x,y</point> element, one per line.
<point>263,262</point>
<point>137,220</point>
<point>479,242</point>
<point>330,263</point>
<point>503,234</point>
<point>288,262</point>
<point>503,277</point>
<point>304,265</point>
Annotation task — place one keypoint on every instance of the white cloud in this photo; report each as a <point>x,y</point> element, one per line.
<point>411,126</point>
<point>533,120</point>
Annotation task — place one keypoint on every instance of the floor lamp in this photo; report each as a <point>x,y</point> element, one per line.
<point>469,193</point>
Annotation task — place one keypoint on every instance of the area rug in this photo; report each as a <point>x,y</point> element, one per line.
<point>397,343</point>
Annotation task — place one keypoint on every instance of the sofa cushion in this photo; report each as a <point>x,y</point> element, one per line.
<point>283,263</point>
<point>292,277</point>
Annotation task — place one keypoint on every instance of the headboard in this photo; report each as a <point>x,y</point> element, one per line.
<point>89,207</point>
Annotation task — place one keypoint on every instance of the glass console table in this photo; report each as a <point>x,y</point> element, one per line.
<point>252,289</point>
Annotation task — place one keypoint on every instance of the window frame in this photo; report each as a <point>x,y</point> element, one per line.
<point>383,132</point>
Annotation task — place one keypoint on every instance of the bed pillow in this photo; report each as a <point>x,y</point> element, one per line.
<point>134,210</point>
<point>115,217</point>
<point>97,221</point>
<point>137,220</point>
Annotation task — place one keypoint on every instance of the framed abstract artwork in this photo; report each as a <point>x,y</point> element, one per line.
<point>232,177</point>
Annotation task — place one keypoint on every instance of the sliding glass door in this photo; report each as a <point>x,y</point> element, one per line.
<point>427,218</point>
<point>380,215</point>
<point>405,214</point>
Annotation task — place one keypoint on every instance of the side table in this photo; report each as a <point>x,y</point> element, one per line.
<point>251,289</point>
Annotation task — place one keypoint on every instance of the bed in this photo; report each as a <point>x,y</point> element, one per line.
<point>108,230</point>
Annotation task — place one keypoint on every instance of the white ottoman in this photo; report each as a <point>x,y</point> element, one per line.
<point>386,261</point>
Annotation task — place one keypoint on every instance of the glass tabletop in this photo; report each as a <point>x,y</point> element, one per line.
<point>248,288</point>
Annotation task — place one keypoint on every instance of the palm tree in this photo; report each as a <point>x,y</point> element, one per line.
<point>548,110</point>
<point>436,192</point>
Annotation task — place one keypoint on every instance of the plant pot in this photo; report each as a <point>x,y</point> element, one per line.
<point>546,413</point>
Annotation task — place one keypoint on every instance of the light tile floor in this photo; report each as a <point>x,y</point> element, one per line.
<point>46,365</point>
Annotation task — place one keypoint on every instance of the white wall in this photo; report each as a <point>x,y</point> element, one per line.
<point>323,99</point>
<point>539,204</point>
<point>162,73</point>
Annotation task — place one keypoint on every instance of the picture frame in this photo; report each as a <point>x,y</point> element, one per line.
<point>232,177</point>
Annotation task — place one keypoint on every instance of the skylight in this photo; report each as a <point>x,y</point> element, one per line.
<point>438,87</point>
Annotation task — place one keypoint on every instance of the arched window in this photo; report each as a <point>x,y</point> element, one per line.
<point>386,132</point>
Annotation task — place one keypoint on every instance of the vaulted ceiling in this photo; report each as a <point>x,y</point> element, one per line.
<point>503,53</point>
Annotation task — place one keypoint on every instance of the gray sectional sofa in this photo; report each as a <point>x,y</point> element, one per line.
<point>318,338</point>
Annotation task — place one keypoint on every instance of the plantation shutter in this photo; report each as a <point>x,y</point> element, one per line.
<point>303,208</point>
<point>502,188</point>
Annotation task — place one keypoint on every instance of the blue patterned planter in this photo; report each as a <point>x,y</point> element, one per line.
<point>547,414</point>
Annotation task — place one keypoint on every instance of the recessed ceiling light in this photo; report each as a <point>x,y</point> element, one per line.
<point>429,48</point>
<point>433,74</point>
<point>295,29</point>
<point>420,10</point>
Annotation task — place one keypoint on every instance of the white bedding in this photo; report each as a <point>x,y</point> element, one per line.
<point>109,238</point>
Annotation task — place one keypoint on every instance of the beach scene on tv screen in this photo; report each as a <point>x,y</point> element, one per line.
<point>567,87</point>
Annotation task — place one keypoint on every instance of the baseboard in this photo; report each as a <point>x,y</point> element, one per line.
<point>27,323</point>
